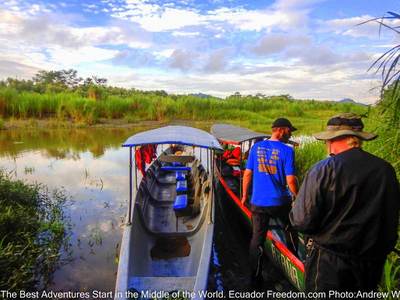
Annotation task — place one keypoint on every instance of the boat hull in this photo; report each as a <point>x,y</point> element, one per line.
<point>165,251</point>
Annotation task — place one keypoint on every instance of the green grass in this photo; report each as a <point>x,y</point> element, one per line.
<point>307,155</point>
<point>248,111</point>
<point>32,231</point>
<point>391,273</point>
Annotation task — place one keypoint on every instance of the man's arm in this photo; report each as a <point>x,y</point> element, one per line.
<point>310,205</point>
<point>292,184</point>
<point>246,182</point>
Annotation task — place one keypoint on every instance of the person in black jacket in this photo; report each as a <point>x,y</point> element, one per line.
<point>348,207</point>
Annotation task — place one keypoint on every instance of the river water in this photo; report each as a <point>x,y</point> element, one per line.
<point>92,168</point>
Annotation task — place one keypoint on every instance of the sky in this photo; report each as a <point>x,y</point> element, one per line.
<point>310,49</point>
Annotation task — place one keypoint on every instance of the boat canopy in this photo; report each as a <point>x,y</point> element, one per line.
<point>235,134</point>
<point>182,135</point>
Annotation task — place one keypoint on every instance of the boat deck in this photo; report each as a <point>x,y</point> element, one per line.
<point>151,284</point>
<point>155,201</point>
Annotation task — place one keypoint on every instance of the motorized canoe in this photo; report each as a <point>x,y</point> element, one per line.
<point>230,179</point>
<point>167,240</point>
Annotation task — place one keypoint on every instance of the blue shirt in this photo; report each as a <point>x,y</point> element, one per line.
<point>270,162</point>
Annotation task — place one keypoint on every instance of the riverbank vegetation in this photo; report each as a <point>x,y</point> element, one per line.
<point>32,231</point>
<point>63,96</point>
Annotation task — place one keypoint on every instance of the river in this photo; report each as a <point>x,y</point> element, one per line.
<point>92,168</point>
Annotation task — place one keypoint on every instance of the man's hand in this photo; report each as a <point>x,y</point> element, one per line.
<point>244,198</point>
<point>292,184</point>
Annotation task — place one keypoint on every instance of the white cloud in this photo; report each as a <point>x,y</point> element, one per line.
<point>27,8</point>
<point>185,34</point>
<point>276,43</point>
<point>218,60</point>
<point>252,20</point>
<point>28,58</point>
<point>359,27</point>
<point>72,57</point>
<point>152,18</point>
<point>156,18</point>
<point>299,80</point>
<point>164,53</point>
<point>182,59</point>
<point>48,30</point>
<point>213,48</point>
<point>296,4</point>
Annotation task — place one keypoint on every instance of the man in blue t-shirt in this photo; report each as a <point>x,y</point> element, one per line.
<point>271,166</point>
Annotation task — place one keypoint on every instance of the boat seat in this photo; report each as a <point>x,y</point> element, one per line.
<point>180,176</point>
<point>160,201</point>
<point>181,202</point>
<point>176,158</point>
<point>175,168</point>
<point>161,177</point>
<point>181,186</point>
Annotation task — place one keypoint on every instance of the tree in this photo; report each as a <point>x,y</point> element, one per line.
<point>99,81</point>
<point>18,84</point>
<point>57,80</point>
<point>70,78</point>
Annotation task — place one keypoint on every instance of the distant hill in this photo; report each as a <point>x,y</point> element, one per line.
<point>348,100</point>
<point>201,95</point>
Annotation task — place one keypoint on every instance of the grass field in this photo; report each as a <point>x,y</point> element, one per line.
<point>250,111</point>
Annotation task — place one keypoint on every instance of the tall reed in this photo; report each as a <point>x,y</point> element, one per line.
<point>136,105</point>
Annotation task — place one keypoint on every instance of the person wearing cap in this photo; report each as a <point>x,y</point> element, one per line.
<point>270,167</point>
<point>348,206</point>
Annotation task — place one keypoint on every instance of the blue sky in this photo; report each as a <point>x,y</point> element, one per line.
<point>305,48</point>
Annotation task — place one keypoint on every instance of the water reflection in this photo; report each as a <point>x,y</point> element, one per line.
<point>64,143</point>
<point>92,167</point>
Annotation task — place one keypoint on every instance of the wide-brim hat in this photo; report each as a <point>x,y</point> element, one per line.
<point>344,125</point>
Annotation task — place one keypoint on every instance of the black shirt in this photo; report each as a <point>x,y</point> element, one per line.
<point>349,204</point>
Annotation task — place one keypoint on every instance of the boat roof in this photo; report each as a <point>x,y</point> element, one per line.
<point>235,134</point>
<point>182,135</point>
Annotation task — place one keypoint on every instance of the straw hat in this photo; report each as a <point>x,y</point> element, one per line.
<point>345,124</point>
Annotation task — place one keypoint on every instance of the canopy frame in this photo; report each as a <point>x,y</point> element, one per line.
<point>173,135</point>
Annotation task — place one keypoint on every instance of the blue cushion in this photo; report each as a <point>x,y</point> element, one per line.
<point>176,164</point>
<point>172,168</point>
<point>181,186</point>
<point>181,202</point>
<point>180,176</point>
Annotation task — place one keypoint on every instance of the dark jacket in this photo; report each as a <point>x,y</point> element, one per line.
<point>349,204</point>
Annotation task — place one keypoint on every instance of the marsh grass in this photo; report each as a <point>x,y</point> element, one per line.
<point>32,231</point>
<point>136,106</point>
<point>391,273</point>
<point>308,154</point>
